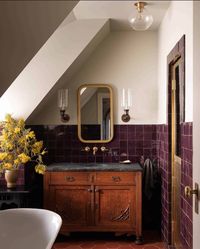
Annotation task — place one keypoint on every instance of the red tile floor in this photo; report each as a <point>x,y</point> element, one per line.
<point>107,241</point>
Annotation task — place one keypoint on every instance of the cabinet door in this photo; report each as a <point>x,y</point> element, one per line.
<point>115,207</point>
<point>73,203</point>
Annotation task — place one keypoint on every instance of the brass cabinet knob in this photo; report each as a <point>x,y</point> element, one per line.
<point>189,192</point>
<point>116,178</point>
<point>70,178</point>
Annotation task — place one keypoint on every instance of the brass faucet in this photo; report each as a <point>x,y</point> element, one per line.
<point>95,149</point>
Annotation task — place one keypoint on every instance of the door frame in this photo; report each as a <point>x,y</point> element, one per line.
<point>175,160</point>
<point>196,116</point>
<point>177,53</point>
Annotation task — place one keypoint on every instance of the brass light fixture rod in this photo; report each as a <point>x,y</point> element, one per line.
<point>140,6</point>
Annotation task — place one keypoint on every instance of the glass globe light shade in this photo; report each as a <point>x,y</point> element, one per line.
<point>141,20</point>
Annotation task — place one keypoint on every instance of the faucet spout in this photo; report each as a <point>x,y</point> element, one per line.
<point>95,149</point>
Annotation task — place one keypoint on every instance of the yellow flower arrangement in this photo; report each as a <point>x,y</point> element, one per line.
<point>19,145</point>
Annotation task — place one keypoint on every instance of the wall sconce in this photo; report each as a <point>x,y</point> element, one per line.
<point>63,104</point>
<point>126,104</point>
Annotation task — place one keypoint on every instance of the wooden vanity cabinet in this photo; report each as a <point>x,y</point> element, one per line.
<point>96,201</point>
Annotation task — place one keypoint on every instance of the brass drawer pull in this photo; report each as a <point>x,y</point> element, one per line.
<point>116,178</point>
<point>70,178</point>
<point>89,190</point>
<point>96,189</point>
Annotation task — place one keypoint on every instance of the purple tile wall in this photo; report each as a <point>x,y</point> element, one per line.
<point>132,142</point>
<point>186,180</point>
<point>129,142</point>
<point>165,170</point>
<point>163,147</point>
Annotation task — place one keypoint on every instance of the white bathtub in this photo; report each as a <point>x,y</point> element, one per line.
<point>26,228</point>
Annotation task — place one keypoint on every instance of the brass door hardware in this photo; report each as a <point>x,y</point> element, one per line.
<point>189,192</point>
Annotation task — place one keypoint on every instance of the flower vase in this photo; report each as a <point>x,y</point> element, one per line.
<point>11,177</point>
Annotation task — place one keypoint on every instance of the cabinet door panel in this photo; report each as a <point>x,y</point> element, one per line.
<point>73,204</point>
<point>115,206</point>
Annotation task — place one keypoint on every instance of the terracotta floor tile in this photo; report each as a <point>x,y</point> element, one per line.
<point>151,247</point>
<point>87,245</point>
<point>100,242</point>
<point>112,244</point>
<point>59,247</point>
<point>160,244</point>
<point>107,241</point>
<point>125,247</point>
<point>101,247</point>
<point>74,247</point>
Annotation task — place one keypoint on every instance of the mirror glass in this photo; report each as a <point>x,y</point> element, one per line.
<point>95,113</point>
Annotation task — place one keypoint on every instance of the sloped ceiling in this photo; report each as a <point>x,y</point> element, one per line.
<point>66,78</point>
<point>59,53</point>
<point>24,27</point>
<point>119,12</point>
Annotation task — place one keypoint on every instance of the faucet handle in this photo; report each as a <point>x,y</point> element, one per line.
<point>104,149</point>
<point>95,149</point>
<point>86,149</point>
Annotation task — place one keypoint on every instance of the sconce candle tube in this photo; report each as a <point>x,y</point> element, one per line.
<point>63,99</point>
<point>129,104</point>
<point>126,103</point>
<point>63,104</point>
<point>123,98</point>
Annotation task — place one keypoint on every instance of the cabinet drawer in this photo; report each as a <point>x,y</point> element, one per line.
<point>116,178</point>
<point>70,178</point>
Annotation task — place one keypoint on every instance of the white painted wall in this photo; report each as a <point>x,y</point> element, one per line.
<point>123,59</point>
<point>196,123</point>
<point>48,65</point>
<point>177,22</point>
<point>24,27</point>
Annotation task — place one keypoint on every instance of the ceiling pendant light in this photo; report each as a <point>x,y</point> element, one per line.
<point>142,20</point>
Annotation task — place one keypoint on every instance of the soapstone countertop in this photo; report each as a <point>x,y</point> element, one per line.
<point>56,167</point>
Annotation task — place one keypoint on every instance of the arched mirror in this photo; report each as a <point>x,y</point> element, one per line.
<point>95,113</point>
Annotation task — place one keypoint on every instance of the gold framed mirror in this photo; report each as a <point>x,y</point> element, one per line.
<point>95,113</point>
